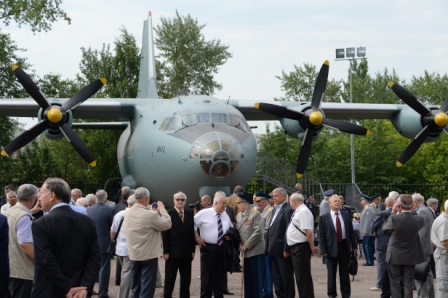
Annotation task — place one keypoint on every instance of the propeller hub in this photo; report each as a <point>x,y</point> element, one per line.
<point>441,119</point>
<point>316,118</point>
<point>54,115</point>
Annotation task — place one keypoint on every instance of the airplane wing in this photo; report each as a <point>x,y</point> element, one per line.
<point>96,108</point>
<point>331,110</point>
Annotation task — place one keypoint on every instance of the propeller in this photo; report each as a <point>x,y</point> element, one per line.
<point>312,119</point>
<point>434,121</point>
<point>54,116</point>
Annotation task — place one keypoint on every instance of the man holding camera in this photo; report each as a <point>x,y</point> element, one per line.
<point>143,228</point>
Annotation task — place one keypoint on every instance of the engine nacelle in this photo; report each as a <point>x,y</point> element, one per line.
<point>56,134</point>
<point>294,129</point>
<point>408,123</point>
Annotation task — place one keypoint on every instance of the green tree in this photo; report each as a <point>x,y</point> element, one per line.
<point>38,14</point>
<point>298,85</point>
<point>187,61</point>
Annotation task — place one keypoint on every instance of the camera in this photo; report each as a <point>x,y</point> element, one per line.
<point>154,205</point>
<point>196,205</point>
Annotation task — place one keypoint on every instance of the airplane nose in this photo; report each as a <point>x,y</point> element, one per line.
<point>218,154</point>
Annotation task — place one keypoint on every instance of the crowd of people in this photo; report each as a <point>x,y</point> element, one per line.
<point>56,243</point>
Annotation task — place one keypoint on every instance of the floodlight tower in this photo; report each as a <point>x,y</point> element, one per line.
<point>350,56</point>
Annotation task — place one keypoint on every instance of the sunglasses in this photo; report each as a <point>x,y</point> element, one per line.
<point>180,200</point>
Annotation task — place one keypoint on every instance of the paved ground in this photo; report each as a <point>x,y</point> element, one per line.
<point>360,286</point>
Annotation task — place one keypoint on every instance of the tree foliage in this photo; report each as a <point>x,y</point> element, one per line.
<point>186,60</point>
<point>38,14</point>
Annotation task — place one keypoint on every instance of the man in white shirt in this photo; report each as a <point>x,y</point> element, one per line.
<point>122,250</point>
<point>213,224</point>
<point>300,238</point>
<point>11,198</point>
<point>439,237</point>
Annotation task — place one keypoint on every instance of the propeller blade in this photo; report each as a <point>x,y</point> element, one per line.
<point>321,85</point>
<point>279,111</point>
<point>445,129</point>
<point>83,94</point>
<point>26,137</point>
<point>444,106</point>
<point>78,144</point>
<point>347,127</point>
<point>413,146</point>
<point>304,154</point>
<point>30,87</point>
<point>409,99</point>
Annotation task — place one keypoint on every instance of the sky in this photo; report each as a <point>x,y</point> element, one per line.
<point>265,37</point>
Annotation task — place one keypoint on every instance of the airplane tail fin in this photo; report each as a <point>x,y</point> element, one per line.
<point>147,84</point>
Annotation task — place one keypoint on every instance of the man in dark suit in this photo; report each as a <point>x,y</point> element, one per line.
<point>404,249</point>
<point>103,217</point>
<point>337,241</point>
<point>382,281</point>
<point>65,246</point>
<point>4,259</point>
<point>277,248</point>
<point>179,246</point>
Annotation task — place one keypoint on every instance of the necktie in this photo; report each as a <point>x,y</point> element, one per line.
<point>220,233</point>
<point>181,214</point>
<point>338,228</point>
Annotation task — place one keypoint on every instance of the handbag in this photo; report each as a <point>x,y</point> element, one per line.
<point>353,265</point>
<point>113,243</point>
<point>422,270</point>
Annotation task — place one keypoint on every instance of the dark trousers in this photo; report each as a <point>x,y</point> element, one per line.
<point>369,249</point>
<point>401,278</point>
<point>342,259</point>
<point>385,285</point>
<point>172,265</point>
<point>253,282</point>
<point>283,276</point>
<point>104,276</point>
<point>20,288</point>
<point>301,260</point>
<point>144,275</point>
<point>267,277</point>
<point>213,272</point>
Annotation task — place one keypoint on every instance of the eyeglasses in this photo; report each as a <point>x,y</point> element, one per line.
<point>180,200</point>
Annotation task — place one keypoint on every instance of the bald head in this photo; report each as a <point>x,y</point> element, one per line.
<point>389,202</point>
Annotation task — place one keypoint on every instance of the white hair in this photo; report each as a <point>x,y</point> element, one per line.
<point>180,194</point>
<point>219,196</point>
<point>81,202</point>
<point>131,200</point>
<point>394,195</point>
<point>418,198</point>
<point>141,193</point>
<point>101,195</point>
<point>297,197</point>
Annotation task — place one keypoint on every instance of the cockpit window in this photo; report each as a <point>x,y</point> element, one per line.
<point>219,118</point>
<point>202,118</point>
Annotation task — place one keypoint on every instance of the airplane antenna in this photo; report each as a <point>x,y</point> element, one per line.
<point>180,101</point>
<point>228,99</point>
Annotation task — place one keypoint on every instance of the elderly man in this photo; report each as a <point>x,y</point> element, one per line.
<point>103,216</point>
<point>21,249</point>
<point>324,207</point>
<point>7,189</point>
<point>382,280</point>
<point>206,202</point>
<point>439,237</point>
<point>231,201</point>
<point>91,199</point>
<point>65,246</point>
<point>122,249</point>
<point>11,198</point>
<point>404,250</point>
<point>367,216</point>
<point>337,241</point>
<point>76,194</point>
<point>425,289</point>
<point>179,246</point>
<point>262,202</point>
<point>126,192</point>
<point>300,237</point>
<point>213,224</point>
<point>143,229</point>
<point>250,228</point>
<point>277,248</point>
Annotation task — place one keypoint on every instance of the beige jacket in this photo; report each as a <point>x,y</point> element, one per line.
<point>250,227</point>
<point>143,229</point>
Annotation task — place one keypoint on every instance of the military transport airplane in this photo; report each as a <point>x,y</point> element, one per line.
<point>197,143</point>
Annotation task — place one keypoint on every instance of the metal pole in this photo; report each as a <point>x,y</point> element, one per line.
<point>352,136</point>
